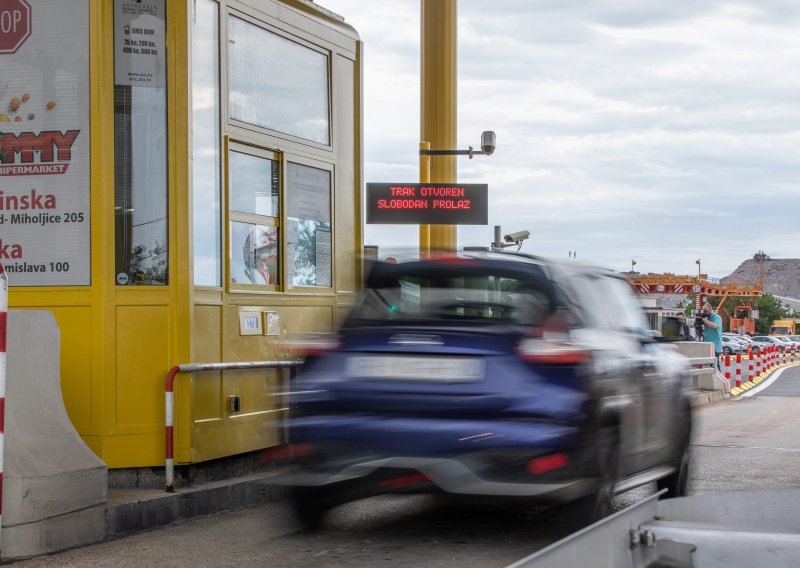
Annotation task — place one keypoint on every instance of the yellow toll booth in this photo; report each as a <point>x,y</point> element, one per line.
<point>179,182</point>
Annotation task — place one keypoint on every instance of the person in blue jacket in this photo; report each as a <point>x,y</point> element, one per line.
<point>713,328</point>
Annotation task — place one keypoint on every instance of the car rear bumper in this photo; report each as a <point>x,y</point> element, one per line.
<point>459,456</point>
<point>448,475</point>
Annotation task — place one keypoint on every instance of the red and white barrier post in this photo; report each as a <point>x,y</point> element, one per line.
<point>3,332</point>
<point>739,369</point>
<point>728,368</point>
<point>750,369</point>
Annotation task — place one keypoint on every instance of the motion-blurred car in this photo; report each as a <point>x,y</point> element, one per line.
<point>490,374</point>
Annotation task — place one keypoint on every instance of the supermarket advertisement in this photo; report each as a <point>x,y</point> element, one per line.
<point>44,142</point>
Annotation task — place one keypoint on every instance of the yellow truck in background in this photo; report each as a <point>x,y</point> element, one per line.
<point>784,327</point>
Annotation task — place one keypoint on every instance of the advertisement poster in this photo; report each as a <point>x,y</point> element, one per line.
<point>44,142</point>
<point>139,60</point>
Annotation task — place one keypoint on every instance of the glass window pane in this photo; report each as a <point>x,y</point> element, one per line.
<point>254,184</point>
<point>309,248</point>
<point>254,254</point>
<point>206,143</point>
<point>454,293</point>
<point>140,148</point>
<point>140,156</point>
<point>308,226</point>
<point>277,83</point>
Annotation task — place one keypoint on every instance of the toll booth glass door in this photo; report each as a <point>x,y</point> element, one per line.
<point>206,155</point>
<point>140,143</point>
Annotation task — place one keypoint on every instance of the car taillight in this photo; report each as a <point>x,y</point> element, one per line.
<point>286,451</point>
<point>551,351</point>
<point>538,466</point>
<point>550,343</point>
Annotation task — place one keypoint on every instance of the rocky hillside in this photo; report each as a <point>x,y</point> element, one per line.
<point>781,276</point>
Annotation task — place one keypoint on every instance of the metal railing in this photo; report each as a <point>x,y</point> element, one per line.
<point>701,366</point>
<point>288,369</point>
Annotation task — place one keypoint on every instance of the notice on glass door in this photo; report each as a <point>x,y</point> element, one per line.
<point>139,43</point>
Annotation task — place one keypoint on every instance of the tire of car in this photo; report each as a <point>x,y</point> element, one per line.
<point>310,506</point>
<point>726,350</point>
<point>600,503</point>
<point>677,483</point>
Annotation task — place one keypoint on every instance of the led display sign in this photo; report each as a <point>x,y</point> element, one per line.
<point>427,203</point>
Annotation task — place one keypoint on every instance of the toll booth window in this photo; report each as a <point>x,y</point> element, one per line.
<point>254,254</point>
<point>254,202</point>
<point>308,225</point>
<point>140,143</point>
<point>206,158</point>
<point>277,83</point>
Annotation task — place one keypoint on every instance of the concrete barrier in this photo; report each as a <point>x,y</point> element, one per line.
<point>55,487</point>
<point>710,381</point>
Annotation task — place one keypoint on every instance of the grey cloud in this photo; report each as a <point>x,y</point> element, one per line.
<point>621,130</point>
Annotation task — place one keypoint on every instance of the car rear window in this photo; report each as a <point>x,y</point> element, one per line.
<point>454,292</point>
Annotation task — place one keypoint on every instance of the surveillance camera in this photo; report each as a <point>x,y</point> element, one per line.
<point>517,237</point>
<point>488,142</point>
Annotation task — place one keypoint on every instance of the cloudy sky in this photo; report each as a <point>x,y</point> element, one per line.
<point>661,131</point>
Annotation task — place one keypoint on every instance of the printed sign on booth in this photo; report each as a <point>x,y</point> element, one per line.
<point>15,24</point>
<point>44,142</point>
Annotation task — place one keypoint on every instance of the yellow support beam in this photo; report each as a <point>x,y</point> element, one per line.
<point>438,98</point>
<point>424,177</point>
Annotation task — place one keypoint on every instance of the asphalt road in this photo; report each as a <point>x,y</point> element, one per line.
<point>750,442</point>
<point>741,444</point>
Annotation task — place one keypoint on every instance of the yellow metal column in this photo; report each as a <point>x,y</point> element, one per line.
<point>438,101</point>
<point>424,177</point>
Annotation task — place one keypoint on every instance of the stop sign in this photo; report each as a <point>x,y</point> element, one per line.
<point>15,24</point>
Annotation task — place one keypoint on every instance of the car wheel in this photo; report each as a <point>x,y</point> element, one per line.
<point>310,506</point>
<point>727,350</point>
<point>600,503</point>
<point>677,483</point>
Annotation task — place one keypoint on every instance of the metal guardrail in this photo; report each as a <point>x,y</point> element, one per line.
<point>736,529</point>
<point>701,366</point>
<point>288,367</point>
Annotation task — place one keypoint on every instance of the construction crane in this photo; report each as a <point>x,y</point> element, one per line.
<point>681,284</point>
<point>703,286</point>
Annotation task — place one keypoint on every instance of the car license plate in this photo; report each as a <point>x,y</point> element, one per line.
<point>433,369</point>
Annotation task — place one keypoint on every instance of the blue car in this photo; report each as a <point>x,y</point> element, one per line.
<point>490,374</point>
